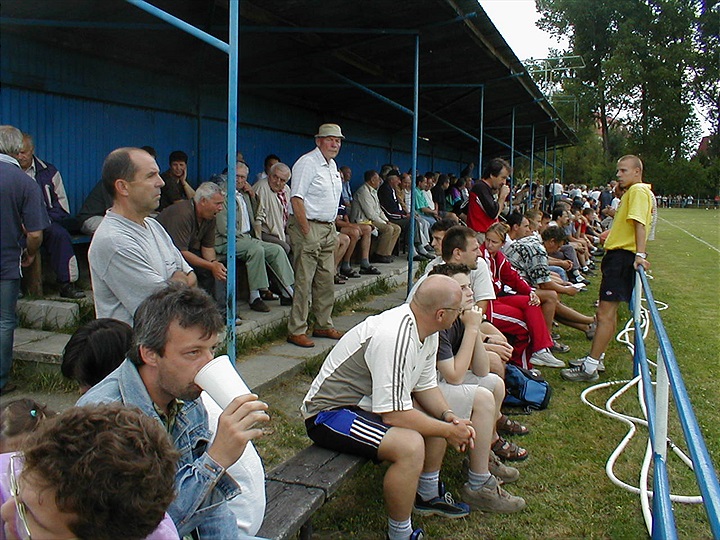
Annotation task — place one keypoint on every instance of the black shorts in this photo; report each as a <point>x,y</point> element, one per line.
<point>351,430</point>
<point>618,276</point>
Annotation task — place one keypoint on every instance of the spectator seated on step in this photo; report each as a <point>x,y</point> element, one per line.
<point>192,226</point>
<point>249,216</point>
<point>177,187</point>
<point>56,238</point>
<point>274,195</point>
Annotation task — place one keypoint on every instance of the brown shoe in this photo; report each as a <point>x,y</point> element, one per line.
<point>301,340</point>
<point>328,333</point>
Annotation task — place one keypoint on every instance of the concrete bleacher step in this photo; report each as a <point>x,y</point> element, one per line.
<point>43,346</point>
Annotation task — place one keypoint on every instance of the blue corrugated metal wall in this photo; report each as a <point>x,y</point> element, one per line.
<point>79,109</point>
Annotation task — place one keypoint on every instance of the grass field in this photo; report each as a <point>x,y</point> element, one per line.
<point>564,481</point>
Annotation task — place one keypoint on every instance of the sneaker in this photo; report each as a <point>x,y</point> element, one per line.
<point>502,472</point>
<point>590,332</point>
<point>545,358</point>
<point>578,374</point>
<point>580,361</point>
<point>417,534</point>
<point>444,505</point>
<point>492,498</point>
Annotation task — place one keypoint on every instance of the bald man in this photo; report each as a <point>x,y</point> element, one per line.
<point>362,402</point>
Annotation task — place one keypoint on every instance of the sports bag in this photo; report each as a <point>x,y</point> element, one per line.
<point>525,389</point>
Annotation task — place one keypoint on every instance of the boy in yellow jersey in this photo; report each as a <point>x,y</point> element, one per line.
<point>624,253</point>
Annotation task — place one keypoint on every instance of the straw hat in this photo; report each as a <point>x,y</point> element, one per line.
<point>330,130</point>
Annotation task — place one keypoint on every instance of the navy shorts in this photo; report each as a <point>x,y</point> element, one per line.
<point>618,276</point>
<point>351,431</point>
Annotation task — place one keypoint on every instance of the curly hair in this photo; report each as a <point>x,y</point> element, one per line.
<point>110,465</point>
<point>449,269</point>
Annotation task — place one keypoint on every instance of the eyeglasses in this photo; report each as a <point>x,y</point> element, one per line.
<point>21,524</point>
<point>459,310</point>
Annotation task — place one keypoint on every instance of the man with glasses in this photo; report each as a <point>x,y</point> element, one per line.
<point>363,403</point>
<point>274,195</point>
<point>80,474</point>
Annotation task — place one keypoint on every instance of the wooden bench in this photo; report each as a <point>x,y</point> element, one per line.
<point>297,488</point>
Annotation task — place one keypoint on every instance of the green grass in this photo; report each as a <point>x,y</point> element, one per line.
<point>564,481</point>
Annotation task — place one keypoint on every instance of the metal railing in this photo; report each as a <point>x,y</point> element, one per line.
<point>669,379</point>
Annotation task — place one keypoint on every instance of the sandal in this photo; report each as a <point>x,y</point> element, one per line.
<point>508,451</point>
<point>268,295</point>
<point>510,427</point>
<point>339,280</point>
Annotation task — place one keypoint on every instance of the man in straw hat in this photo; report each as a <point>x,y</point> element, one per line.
<point>315,193</point>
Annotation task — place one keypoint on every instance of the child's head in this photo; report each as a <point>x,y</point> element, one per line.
<point>95,350</point>
<point>18,419</point>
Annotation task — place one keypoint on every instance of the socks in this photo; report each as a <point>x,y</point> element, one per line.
<point>364,263</point>
<point>254,295</point>
<point>428,485</point>
<point>399,530</point>
<point>477,480</point>
<point>590,364</point>
<point>345,265</point>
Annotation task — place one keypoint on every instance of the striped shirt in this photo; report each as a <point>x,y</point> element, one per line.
<point>375,366</point>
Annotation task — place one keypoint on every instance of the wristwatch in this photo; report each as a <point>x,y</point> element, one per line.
<point>641,255</point>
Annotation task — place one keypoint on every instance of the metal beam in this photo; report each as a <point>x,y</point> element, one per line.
<point>233,61</point>
<point>416,107</point>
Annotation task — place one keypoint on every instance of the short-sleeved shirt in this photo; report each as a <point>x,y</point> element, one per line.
<point>317,182</point>
<point>171,192</point>
<point>187,233</point>
<point>375,366</point>
<point>21,204</point>
<point>129,262</point>
<point>529,257</point>
<point>635,205</point>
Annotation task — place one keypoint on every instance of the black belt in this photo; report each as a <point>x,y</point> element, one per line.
<point>323,222</point>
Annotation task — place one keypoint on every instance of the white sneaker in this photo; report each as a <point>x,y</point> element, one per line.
<point>546,358</point>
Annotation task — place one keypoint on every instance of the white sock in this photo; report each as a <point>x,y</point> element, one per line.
<point>290,291</point>
<point>399,530</point>
<point>477,480</point>
<point>590,364</point>
<point>254,295</point>
<point>428,485</point>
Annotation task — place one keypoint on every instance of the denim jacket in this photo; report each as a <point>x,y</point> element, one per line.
<point>202,485</point>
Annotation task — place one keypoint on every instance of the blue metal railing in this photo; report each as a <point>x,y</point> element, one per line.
<point>668,374</point>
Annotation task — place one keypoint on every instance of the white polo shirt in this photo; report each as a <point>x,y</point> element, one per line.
<point>317,182</point>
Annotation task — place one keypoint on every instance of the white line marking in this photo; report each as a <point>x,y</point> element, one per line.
<point>690,234</point>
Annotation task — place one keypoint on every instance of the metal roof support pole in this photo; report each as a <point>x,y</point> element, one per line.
<point>232,51</point>
<point>555,175</point>
<point>416,107</point>
<point>532,167</point>
<point>482,130</point>
<point>512,158</point>
<point>562,165</point>
<point>547,200</point>
<point>233,59</point>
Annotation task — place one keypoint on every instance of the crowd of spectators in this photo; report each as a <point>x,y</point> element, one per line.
<point>398,387</point>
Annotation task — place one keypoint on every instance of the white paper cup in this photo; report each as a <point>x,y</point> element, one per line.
<point>221,381</point>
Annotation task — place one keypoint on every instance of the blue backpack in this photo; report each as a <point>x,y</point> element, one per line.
<point>525,389</point>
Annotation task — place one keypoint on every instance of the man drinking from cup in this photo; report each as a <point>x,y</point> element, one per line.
<point>176,332</point>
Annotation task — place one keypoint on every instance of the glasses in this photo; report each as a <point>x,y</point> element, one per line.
<point>21,524</point>
<point>459,310</point>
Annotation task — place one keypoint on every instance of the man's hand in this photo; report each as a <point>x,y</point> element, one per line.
<point>462,433</point>
<point>26,259</point>
<point>219,271</point>
<point>504,191</point>
<point>502,349</point>
<point>472,317</point>
<point>641,262</point>
<point>236,427</point>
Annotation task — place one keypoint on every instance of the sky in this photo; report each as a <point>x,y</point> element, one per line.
<point>515,20</point>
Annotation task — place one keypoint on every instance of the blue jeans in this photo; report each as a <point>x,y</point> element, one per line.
<point>9,289</point>
<point>559,270</point>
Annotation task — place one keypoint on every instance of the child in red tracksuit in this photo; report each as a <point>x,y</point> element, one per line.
<point>516,310</point>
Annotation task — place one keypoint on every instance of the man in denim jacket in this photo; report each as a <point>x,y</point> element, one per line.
<point>176,331</point>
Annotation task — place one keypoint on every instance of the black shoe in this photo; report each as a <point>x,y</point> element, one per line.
<point>369,270</point>
<point>69,290</point>
<point>384,259</point>
<point>286,301</point>
<point>418,258</point>
<point>259,305</point>
<point>349,273</point>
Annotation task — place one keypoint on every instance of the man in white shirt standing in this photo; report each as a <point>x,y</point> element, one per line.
<point>314,200</point>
